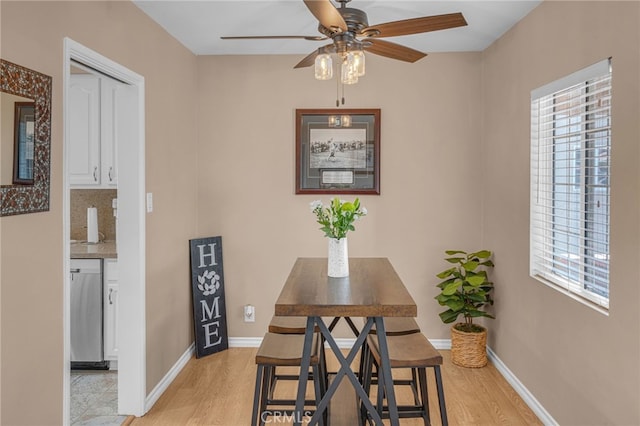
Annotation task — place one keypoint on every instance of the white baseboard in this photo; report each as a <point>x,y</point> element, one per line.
<point>244,342</point>
<point>168,378</point>
<point>347,343</point>
<point>521,390</point>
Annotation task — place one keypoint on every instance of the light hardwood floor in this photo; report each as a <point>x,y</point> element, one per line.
<point>218,391</point>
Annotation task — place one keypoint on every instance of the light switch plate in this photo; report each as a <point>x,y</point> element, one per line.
<point>149,202</point>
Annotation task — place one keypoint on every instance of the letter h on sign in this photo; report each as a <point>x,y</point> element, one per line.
<point>207,286</point>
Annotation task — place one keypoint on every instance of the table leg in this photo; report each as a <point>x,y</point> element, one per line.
<point>304,370</point>
<point>385,372</point>
<point>345,370</point>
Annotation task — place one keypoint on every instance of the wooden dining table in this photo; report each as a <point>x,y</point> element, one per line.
<point>373,290</point>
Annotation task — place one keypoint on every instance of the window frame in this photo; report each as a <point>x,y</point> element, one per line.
<point>583,171</point>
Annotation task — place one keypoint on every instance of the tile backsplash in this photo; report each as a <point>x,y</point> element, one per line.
<point>81,199</point>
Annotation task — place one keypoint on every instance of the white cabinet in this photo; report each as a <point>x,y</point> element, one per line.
<point>110,309</point>
<point>92,132</point>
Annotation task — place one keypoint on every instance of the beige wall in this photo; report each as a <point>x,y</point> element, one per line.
<point>220,161</point>
<point>429,149</point>
<point>580,364</point>
<point>31,309</point>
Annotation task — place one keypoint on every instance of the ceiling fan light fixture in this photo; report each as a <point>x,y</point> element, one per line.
<point>349,69</point>
<point>358,57</point>
<point>323,67</point>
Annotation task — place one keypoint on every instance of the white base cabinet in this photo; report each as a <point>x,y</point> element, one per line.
<point>110,309</point>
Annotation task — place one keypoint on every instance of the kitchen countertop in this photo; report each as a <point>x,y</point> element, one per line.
<point>103,250</point>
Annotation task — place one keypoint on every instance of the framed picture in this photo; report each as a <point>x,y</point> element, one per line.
<point>24,139</point>
<point>338,151</point>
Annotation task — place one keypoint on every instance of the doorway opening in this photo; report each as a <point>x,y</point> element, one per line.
<point>130,232</point>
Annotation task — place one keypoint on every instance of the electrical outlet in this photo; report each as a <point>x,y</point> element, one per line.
<point>249,313</point>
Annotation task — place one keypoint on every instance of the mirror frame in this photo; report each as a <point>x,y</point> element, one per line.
<point>21,81</point>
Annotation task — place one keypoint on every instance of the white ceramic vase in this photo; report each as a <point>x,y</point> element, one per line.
<point>338,258</point>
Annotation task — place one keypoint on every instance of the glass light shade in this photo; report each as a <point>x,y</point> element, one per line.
<point>349,71</point>
<point>323,67</point>
<point>358,57</point>
<point>345,120</point>
<point>333,121</point>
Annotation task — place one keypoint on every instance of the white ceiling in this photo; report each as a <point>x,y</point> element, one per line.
<point>199,24</point>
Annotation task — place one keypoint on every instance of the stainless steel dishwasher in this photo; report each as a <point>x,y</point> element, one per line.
<point>87,315</point>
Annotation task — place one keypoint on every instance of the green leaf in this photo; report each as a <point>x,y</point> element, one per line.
<point>454,259</point>
<point>452,252</point>
<point>451,288</point>
<point>442,299</point>
<point>455,305</point>
<point>476,280</point>
<point>476,313</point>
<point>470,265</point>
<point>448,316</point>
<point>443,284</point>
<point>488,263</point>
<point>445,274</point>
<point>347,206</point>
<point>482,254</point>
<point>477,297</point>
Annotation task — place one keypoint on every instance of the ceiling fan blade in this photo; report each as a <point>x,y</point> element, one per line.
<point>327,14</point>
<point>416,25</point>
<point>308,60</point>
<point>312,38</point>
<point>393,50</point>
<point>311,57</point>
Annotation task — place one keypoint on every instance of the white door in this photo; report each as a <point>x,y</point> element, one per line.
<point>131,272</point>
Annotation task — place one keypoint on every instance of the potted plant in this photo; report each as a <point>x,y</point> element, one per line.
<point>337,219</point>
<point>466,290</point>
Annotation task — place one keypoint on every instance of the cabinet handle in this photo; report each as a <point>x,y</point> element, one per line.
<point>110,177</point>
<point>95,173</point>
<point>110,293</point>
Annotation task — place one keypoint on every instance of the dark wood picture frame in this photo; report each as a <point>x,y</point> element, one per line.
<point>24,143</point>
<point>338,151</point>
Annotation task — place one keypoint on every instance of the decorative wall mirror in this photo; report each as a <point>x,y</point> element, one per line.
<point>25,149</point>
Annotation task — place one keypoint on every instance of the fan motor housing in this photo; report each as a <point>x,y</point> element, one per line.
<point>356,19</point>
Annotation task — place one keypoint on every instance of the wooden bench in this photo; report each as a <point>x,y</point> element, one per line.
<point>393,326</point>
<point>413,351</point>
<point>295,325</point>
<point>281,350</point>
<point>398,326</point>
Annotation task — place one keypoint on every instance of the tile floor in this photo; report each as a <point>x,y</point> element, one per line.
<point>94,398</point>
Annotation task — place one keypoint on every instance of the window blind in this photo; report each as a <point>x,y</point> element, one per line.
<point>570,175</point>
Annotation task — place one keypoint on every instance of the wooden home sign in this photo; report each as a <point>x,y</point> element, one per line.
<point>207,287</point>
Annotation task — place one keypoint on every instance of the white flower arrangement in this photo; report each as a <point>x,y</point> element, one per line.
<point>338,217</point>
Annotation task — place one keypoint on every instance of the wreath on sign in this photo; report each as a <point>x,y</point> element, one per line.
<point>208,282</point>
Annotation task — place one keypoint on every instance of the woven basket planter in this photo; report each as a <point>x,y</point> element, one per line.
<point>469,349</point>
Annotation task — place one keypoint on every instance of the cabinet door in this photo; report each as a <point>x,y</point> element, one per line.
<point>108,100</point>
<point>84,130</point>
<point>111,310</point>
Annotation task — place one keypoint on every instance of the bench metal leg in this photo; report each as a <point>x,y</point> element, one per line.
<point>385,372</point>
<point>304,366</point>
<point>256,396</point>
<point>422,381</point>
<point>443,407</point>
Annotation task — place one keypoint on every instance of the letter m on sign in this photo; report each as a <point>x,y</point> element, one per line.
<point>207,288</point>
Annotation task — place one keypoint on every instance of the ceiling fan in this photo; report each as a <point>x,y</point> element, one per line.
<point>349,30</point>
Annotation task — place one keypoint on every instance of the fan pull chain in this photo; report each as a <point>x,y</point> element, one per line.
<point>337,92</point>
<point>342,94</point>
